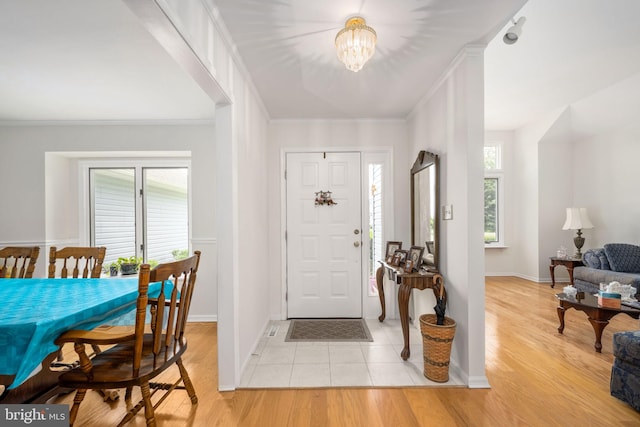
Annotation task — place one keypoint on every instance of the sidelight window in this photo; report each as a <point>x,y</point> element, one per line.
<point>375,224</point>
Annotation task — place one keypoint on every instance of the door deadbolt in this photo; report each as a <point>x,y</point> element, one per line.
<point>356,231</point>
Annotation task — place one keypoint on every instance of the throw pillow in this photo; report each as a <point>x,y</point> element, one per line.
<point>623,257</point>
<point>603,260</point>
<point>596,258</point>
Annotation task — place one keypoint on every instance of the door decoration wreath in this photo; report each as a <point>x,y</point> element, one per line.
<point>324,198</point>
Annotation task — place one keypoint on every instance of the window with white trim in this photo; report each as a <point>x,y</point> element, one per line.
<point>139,210</point>
<point>493,195</point>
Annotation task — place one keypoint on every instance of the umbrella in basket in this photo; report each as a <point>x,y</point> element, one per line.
<point>437,336</point>
<point>440,307</point>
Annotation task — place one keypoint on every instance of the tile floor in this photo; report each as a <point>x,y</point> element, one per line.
<point>280,364</point>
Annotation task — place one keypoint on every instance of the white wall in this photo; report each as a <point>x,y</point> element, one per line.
<point>243,197</point>
<point>502,261</point>
<point>555,193</point>
<point>522,257</point>
<point>605,181</point>
<point>61,200</point>
<point>449,122</point>
<point>253,195</point>
<point>38,156</point>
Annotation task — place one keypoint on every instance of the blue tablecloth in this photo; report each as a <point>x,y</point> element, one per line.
<point>34,312</point>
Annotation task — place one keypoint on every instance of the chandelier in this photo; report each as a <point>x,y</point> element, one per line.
<point>355,43</point>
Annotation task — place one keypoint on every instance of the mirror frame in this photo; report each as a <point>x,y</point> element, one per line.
<point>424,160</point>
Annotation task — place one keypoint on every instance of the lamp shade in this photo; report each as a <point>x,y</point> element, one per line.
<point>577,219</point>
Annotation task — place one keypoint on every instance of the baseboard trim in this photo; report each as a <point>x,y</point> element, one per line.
<point>222,387</point>
<point>479,382</point>
<point>520,276</point>
<point>206,318</point>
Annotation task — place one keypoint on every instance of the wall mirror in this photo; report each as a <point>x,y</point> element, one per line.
<point>425,200</point>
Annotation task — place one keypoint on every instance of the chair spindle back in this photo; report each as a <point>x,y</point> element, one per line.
<point>18,262</point>
<point>169,310</point>
<point>84,262</point>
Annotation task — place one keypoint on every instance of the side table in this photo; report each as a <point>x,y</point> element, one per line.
<point>569,263</point>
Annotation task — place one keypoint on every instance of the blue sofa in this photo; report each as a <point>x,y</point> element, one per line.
<point>614,262</point>
<point>625,373</point>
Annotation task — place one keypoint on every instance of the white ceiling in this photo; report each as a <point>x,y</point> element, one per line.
<point>288,46</point>
<point>568,50</point>
<point>93,60</point>
<point>88,60</point>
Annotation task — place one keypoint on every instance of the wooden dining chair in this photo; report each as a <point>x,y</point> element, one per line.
<point>137,357</point>
<point>84,262</point>
<point>18,262</point>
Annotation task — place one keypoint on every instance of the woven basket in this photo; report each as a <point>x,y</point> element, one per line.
<point>436,344</point>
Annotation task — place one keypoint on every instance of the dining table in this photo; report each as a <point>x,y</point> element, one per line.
<point>36,311</point>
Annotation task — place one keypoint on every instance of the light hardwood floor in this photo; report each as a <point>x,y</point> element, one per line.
<point>538,378</point>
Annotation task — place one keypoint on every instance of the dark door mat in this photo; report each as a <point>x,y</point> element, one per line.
<point>328,330</point>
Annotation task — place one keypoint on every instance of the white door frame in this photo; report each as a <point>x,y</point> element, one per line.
<point>367,154</point>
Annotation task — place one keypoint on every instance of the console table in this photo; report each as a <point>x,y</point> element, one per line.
<point>407,282</point>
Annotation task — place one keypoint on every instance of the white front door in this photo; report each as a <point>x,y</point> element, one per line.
<point>324,240</point>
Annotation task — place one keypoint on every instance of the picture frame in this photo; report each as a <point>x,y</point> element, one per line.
<point>430,247</point>
<point>399,257</point>
<point>392,247</point>
<point>408,266</point>
<point>395,261</point>
<point>415,255</point>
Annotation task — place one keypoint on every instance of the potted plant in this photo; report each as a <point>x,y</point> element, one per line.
<point>179,254</point>
<point>438,331</point>
<point>129,265</point>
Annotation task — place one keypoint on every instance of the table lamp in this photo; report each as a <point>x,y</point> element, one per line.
<point>577,219</point>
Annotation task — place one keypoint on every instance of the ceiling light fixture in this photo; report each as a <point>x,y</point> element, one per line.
<point>513,34</point>
<point>355,43</point>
